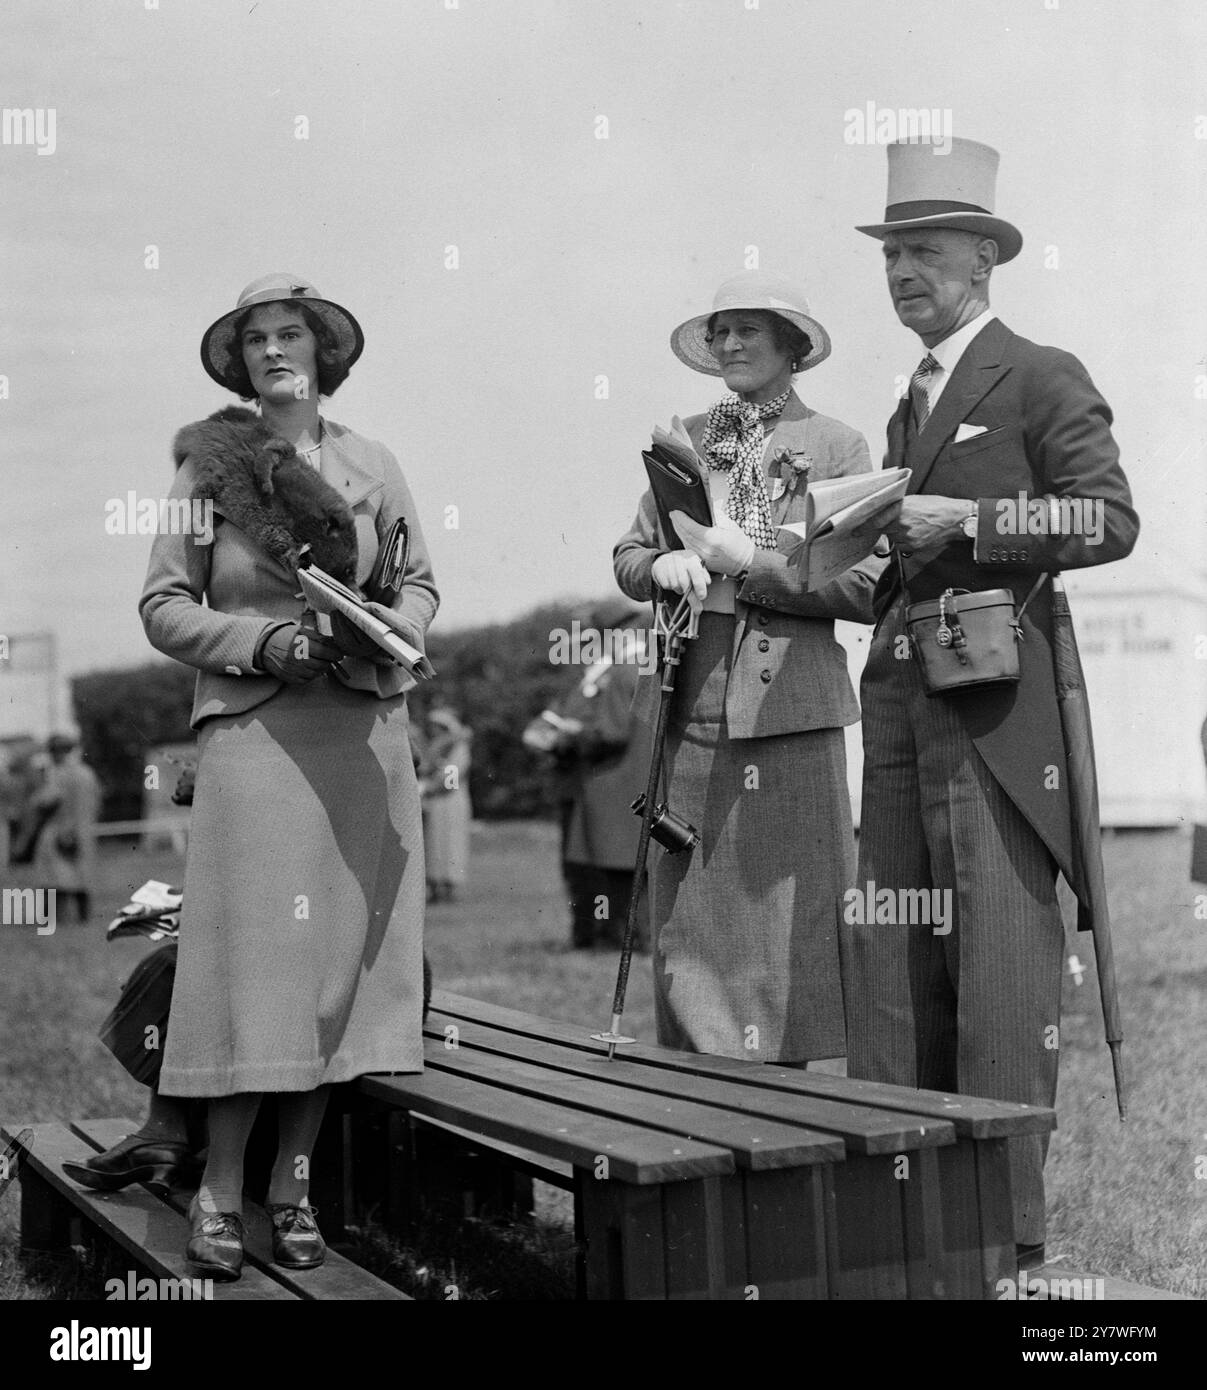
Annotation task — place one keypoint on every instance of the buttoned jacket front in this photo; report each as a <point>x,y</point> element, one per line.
<point>1044,431</point>
<point>787,673</point>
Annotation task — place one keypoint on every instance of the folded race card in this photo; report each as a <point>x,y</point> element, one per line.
<point>823,545</point>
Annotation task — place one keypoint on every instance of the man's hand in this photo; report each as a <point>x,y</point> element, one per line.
<point>724,548</point>
<point>919,523</point>
<point>683,572</point>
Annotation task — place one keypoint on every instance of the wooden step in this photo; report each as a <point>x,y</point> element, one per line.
<point>335,1278</point>
<point>146,1229</point>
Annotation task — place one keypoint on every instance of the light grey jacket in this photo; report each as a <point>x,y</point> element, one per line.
<point>208,605</point>
<point>788,672</point>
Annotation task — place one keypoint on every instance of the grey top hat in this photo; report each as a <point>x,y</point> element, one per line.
<point>221,355</point>
<point>751,289</point>
<point>929,189</point>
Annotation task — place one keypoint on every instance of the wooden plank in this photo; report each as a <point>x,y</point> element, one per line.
<point>693,1240</point>
<point>525,1160</point>
<point>862,1129</point>
<point>547,1169</point>
<point>785,1238</point>
<point>995,1213</point>
<point>870,1233</point>
<point>142,1226</point>
<point>963,1277</point>
<point>973,1116</point>
<point>756,1142</point>
<point>623,1235</point>
<point>926,1264</point>
<point>634,1154</point>
<point>335,1278</point>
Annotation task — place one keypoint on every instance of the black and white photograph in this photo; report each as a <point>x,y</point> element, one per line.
<point>603,666</point>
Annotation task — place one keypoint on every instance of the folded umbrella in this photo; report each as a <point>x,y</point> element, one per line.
<point>1089,881</point>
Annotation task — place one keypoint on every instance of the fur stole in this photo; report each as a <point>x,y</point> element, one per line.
<point>260,483</point>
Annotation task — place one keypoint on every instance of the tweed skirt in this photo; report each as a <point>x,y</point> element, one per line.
<point>301,934</point>
<point>745,928</point>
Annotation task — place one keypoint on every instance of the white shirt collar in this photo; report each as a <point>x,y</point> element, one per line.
<point>948,353</point>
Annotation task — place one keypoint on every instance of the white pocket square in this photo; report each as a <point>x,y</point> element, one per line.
<point>964,432</point>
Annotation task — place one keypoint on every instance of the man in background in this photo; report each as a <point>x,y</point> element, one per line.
<point>602,754</point>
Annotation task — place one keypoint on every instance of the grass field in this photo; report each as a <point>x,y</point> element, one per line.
<point>1122,1199</point>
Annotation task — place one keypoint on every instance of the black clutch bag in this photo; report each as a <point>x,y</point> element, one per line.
<point>137,1027</point>
<point>676,488</point>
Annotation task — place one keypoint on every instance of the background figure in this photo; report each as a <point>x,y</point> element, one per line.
<point>746,957</point>
<point>602,753</point>
<point>447,812</point>
<point>64,856</point>
<point>11,804</point>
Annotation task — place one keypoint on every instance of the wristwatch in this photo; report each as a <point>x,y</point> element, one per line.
<point>969,524</point>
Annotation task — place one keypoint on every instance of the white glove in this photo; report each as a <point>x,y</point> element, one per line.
<point>684,573</point>
<point>724,548</point>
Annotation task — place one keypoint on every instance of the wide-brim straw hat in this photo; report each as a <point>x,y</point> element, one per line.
<point>929,188</point>
<point>751,289</point>
<point>222,356</point>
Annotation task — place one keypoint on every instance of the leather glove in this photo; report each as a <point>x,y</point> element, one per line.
<point>684,573</point>
<point>724,547</point>
<point>298,653</point>
<point>351,640</point>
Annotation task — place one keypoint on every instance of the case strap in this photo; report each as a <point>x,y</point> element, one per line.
<point>1035,588</point>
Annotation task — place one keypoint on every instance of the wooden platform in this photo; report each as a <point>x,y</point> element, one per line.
<point>709,1178</point>
<point>57,1213</point>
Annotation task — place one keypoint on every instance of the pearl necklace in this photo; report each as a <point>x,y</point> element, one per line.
<point>314,448</point>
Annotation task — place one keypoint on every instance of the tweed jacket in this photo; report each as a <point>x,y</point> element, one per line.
<point>1046,433</point>
<point>788,672</point>
<point>208,605</point>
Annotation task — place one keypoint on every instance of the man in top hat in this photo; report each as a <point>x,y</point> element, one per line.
<point>967,791</point>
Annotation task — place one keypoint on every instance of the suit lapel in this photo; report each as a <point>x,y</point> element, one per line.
<point>339,467</point>
<point>978,370</point>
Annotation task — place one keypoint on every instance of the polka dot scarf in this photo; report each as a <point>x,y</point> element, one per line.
<point>733,444</point>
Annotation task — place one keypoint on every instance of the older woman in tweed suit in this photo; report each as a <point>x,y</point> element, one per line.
<point>301,939</point>
<point>745,927</point>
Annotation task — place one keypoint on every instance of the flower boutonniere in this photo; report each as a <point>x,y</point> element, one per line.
<point>791,467</point>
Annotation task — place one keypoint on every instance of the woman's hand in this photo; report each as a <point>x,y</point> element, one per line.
<point>351,640</point>
<point>297,653</point>
<point>724,548</point>
<point>684,573</point>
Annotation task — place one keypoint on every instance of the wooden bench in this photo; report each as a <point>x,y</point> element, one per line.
<point>56,1213</point>
<point>697,1176</point>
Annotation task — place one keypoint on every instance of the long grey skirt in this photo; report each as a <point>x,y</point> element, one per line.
<point>746,927</point>
<point>301,935</point>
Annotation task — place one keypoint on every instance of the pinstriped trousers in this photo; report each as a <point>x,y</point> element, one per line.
<point>971,1011</point>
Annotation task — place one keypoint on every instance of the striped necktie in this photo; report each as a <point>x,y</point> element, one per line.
<point>918,390</point>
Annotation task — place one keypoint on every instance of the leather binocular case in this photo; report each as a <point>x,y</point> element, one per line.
<point>964,640</point>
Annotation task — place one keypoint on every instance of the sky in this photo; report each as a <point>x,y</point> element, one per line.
<point>519,200</point>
